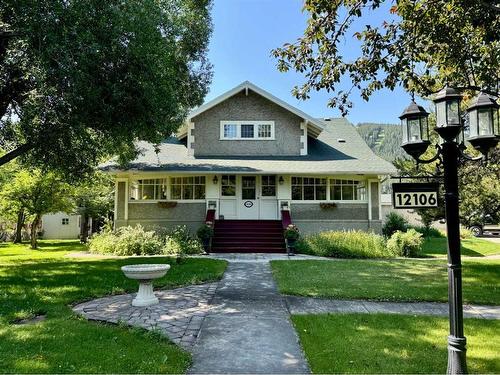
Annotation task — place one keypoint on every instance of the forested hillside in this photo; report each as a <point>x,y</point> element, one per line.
<point>383,139</point>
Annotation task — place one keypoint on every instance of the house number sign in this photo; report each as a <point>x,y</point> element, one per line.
<point>248,204</point>
<point>415,195</point>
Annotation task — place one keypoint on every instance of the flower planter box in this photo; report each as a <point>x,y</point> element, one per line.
<point>327,206</point>
<point>167,204</point>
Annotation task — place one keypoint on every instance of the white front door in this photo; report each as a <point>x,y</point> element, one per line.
<point>268,202</point>
<point>248,202</point>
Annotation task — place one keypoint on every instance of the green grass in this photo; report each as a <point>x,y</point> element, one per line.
<point>474,247</point>
<point>395,280</point>
<point>45,282</point>
<point>382,343</point>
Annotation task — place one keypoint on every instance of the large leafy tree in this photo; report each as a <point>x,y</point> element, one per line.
<point>36,193</point>
<point>94,199</point>
<point>420,45</point>
<point>83,79</point>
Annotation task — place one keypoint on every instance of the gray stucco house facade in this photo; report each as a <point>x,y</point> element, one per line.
<point>249,156</point>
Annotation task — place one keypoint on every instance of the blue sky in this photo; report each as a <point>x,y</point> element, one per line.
<point>245,31</point>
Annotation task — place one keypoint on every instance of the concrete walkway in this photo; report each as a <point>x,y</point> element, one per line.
<point>249,331</point>
<point>309,305</point>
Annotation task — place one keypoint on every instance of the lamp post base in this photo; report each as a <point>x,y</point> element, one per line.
<point>456,355</point>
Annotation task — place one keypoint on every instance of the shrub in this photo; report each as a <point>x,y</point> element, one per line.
<point>351,244</point>
<point>204,232</point>
<point>465,233</point>
<point>292,232</point>
<point>102,243</point>
<point>406,244</point>
<point>126,241</point>
<point>428,231</point>
<point>180,243</point>
<point>393,223</point>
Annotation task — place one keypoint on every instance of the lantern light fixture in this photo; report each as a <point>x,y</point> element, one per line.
<point>415,125</point>
<point>215,180</point>
<point>484,126</point>
<point>448,117</point>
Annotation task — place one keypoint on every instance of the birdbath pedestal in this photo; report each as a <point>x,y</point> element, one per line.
<point>145,274</point>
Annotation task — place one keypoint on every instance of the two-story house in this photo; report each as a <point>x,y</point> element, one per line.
<point>251,157</point>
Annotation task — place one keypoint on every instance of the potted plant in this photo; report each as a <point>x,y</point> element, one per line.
<point>205,233</point>
<point>291,236</point>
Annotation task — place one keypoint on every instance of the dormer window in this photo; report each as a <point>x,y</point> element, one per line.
<point>247,130</point>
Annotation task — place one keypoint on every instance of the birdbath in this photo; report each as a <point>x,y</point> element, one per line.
<point>145,273</point>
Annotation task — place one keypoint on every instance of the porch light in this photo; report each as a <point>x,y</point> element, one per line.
<point>415,130</point>
<point>215,180</point>
<point>484,127</point>
<point>448,120</point>
<point>281,180</point>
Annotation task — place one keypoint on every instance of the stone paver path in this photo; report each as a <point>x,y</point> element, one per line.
<point>179,314</point>
<point>309,305</point>
<point>249,331</point>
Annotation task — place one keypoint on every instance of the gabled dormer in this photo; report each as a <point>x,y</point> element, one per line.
<point>249,121</point>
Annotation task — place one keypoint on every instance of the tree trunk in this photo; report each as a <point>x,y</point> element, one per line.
<point>84,228</point>
<point>18,237</point>
<point>34,232</point>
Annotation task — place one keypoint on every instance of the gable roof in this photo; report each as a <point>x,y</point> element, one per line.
<point>314,125</point>
<point>339,149</point>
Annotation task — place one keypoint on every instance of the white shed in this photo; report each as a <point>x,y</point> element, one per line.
<point>61,226</point>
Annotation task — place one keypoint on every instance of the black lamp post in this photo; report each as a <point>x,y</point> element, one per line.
<point>483,135</point>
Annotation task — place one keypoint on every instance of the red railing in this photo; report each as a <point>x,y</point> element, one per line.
<point>286,218</point>
<point>210,218</point>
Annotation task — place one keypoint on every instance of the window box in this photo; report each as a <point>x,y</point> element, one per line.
<point>167,204</point>
<point>327,205</point>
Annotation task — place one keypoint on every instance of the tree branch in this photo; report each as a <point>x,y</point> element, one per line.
<point>4,159</point>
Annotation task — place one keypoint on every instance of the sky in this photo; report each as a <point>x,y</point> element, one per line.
<point>245,32</point>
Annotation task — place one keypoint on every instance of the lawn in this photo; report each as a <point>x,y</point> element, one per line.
<point>474,247</point>
<point>45,282</point>
<point>382,343</point>
<point>388,280</point>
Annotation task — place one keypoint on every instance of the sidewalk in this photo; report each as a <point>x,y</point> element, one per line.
<point>309,305</point>
<point>250,330</point>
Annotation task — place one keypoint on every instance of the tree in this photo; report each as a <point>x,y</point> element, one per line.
<point>81,80</point>
<point>93,199</point>
<point>36,193</point>
<point>421,45</point>
<point>11,213</point>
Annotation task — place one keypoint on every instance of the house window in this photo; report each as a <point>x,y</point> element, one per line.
<point>65,221</point>
<point>247,130</point>
<point>228,185</point>
<point>347,190</point>
<point>187,187</point>
<point>148,189</point>
<point>230,131</point>
<point>265,131</point>
<point>308,188</point>
<point>269,186</point>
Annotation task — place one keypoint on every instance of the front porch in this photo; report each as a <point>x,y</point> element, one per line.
<point>315,202</point>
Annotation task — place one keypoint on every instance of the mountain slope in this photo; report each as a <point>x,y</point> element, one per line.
<point>383,139</point>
